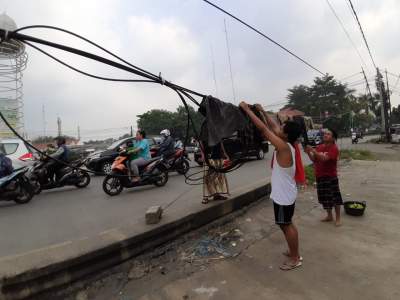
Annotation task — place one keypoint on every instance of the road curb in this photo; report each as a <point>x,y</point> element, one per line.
<point>33,282</point>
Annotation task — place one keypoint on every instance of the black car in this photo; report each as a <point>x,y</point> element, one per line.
<point>101,161</point>
<point>256,151</point>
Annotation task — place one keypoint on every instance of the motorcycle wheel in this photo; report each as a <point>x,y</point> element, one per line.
<point>183,167</point>
<point>26,194</point>
<point>112,185</point>
<point>163,178</point>
<point>37,188</point>
<point>85,180</point>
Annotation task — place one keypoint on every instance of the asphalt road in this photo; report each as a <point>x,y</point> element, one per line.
<point>67,214</point>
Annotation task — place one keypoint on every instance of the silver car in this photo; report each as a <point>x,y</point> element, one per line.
<point>20,153</point>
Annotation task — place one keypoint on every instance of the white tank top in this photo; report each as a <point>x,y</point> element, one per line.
<point>283,184</point>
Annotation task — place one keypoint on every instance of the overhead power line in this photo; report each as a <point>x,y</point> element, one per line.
<point>347,33</point>
<point>350,76</point>
<point>265,36</point>
<point>362,32</point>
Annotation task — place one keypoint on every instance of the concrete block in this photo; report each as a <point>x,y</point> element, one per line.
<point>153,214</point>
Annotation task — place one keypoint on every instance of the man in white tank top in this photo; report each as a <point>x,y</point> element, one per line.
<point>283,184</point>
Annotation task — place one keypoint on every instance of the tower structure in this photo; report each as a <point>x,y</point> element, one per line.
<point>13,59</point>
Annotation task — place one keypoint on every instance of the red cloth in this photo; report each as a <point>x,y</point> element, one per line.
<point>329,167</point>
<point>300,175</point>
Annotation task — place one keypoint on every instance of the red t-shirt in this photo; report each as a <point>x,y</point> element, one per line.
<point>328,167</point>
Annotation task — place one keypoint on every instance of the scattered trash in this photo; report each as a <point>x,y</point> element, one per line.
<point>137,271</point>
<point>208,291</point>
<point>241,240</point>
<point>233,244</point>
<point>223,282</point>
<point>248,220</point>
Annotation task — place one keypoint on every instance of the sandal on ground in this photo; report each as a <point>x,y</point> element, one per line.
<point>289,265</point>
<point>220,197</point>
<point>286,253</point>
<point>205,201</point>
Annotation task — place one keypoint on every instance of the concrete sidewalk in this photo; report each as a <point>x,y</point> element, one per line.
<point>357,260</point>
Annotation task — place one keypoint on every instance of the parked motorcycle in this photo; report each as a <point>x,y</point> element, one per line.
<point>154,172</point>
<point>178,162</point>
<point>64,176</point>
<point>16,187</point>
<point>354,138</point>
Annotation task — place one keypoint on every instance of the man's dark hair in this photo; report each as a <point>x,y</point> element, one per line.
<point>293,131</point>
<point>60,140</point>
<point>334,133</point>
<point>142,133</point>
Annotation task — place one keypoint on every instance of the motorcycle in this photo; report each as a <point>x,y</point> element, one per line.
<point>16,187</point>
<point>354,138</point>
<point>154,172</point>
<point>178,162</point>
<point>64,176</point>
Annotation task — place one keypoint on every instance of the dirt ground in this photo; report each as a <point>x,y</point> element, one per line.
<point>240,259</point>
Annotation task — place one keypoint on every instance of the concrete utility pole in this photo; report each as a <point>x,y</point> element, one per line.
<point>79,133</point>
<point>59,131</point>
<point>369,90</point>
<point>388,95</point>
<point>384,111</point>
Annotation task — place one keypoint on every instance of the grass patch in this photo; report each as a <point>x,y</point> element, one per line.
<point>310,175</point>
<point>357,154</point>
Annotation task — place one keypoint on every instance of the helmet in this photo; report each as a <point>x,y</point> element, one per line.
<point>165,132</point>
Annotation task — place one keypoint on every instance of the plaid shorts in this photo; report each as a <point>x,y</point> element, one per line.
<point>328,192</point>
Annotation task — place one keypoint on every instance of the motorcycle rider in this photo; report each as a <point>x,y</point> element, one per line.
<point>6,167</point>
<point>167,145</point>
<point>178,144</point>
<point>62,154</point>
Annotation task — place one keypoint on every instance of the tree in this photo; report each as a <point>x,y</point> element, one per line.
<point>156,120</point>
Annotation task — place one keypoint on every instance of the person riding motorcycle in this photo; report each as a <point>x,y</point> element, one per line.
<point>62,154</point>
<point>6,167</point>
<point>167,146</point>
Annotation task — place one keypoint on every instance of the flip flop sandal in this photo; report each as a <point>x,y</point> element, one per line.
<point>286,253</point>
<point>205,201</point>
<point>287,266</point>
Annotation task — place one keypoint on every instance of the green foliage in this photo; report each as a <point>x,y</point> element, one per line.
<point>328,95</point>
<point>357,154</point>
<point>156,120</point>
<point>310,174</point>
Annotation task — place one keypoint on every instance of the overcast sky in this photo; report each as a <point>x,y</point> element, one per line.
<point>175,37</point>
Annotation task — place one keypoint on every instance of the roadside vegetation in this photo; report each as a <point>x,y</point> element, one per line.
<point>357,154</point>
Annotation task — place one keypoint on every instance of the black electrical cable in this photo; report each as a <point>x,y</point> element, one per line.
<point>346,32</point>
<point>362,32</point>
<point>86,40</point>
<point>85,73</point>
<point>130,68</point>
<point>265,36</point>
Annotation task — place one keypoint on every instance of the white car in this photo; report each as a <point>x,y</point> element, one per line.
<point>17,151</point>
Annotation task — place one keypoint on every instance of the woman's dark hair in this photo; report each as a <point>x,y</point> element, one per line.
<point>292,130</point>
<point>60,140</point>
<point>142,133</point>
<point>334,133</point>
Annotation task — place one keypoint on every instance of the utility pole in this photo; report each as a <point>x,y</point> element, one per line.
<point>384,111</point>
<point>230,64</point>
<point>213,69</point>
<point>388,95</point>
<point>44,120</point>
<point>59,131</point>
<point>131,130</point>
<point>368,88</point>
<point>79,133</point>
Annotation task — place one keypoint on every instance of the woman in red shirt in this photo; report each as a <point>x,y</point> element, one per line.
<point>325,158</point>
